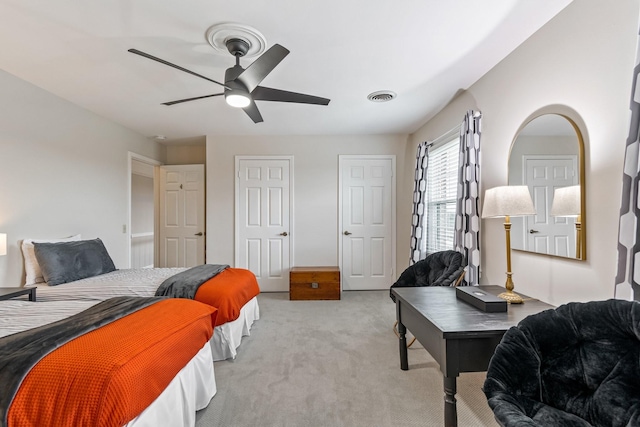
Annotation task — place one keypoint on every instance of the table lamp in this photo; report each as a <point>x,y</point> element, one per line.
<point>3,244</point>
<point>508,201</point>
<point>566,202</point>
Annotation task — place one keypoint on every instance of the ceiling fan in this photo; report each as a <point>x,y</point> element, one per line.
<point>241,85</point>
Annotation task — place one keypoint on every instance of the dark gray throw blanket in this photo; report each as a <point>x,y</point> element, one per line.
<point>22,351</point>
<point>186,283</point>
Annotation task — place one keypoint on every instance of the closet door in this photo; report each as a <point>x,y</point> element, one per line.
<point>182,220</point>
<point>263,218</point>
<point>367,219</point>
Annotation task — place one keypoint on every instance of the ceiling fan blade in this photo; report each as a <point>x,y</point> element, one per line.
<point>258,70</point>
<point>262,93</point>
<point>191,99</point>
<point>177,67</point>
<point>253,112</point>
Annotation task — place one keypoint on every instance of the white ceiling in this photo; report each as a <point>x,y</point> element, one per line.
<point>424,50</point>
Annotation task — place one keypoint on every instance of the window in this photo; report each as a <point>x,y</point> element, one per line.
<point>441,195</point>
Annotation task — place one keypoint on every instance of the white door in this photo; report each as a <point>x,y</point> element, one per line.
<point>263,233</point>
<point>182,221</point>
<point>545,233</point>
<point>367,223</point>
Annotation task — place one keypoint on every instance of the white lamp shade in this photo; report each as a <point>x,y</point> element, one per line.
<point>509,200</point>
<point>3,244</point>
<point>566,201</point>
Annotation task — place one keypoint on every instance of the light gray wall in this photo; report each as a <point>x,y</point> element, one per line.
<point>142,200</point>
<point>186,155</point>
<point>315,195</point>
<point>64,171</point>
<point>581,63</point>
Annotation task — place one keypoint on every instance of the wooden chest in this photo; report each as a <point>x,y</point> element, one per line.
<point>314,283</point>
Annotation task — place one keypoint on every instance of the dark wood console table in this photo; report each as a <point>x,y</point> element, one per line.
<point>460,337</point>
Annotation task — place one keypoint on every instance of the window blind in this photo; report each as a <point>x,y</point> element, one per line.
<point>442,184</point>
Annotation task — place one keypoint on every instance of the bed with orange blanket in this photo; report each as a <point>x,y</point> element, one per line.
<point>215,284</point>
<point>233,292</point>
<point>125,361</point>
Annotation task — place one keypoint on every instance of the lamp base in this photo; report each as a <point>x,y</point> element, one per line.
<point>511,297</point>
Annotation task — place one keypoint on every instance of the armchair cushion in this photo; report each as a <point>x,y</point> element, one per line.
<point>576,365</point>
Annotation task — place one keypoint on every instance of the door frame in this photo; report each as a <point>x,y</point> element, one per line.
<point>236,231</point>
<point>131,156</point>
<point>391,157</point>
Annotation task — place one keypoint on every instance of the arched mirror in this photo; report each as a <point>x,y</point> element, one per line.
<point>547,155</point>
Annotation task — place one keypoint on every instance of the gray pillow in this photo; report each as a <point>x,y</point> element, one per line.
<point>65,262</point>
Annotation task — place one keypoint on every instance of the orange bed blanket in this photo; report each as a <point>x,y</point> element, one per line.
<point>228,291</point>
<point>110,375</point>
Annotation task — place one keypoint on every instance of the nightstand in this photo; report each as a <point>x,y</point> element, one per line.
<point>8,293</point>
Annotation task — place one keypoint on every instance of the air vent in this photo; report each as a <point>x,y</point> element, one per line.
<point>381,96</point>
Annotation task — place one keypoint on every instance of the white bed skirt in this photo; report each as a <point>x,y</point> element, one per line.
<point>227,338</point>
<point>189,391</point>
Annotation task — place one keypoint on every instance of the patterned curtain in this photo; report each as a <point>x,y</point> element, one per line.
<point>628,275</point>
<point>418,218</point>
<point>467,230</point>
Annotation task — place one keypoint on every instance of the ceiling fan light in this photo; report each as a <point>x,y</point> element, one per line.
<point>237,99</point>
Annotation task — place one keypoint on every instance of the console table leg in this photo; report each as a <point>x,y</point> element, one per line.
<point>404,360</point>
<point>450,411</point>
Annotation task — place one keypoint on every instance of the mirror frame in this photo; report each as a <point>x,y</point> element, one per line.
<point>581,175</point>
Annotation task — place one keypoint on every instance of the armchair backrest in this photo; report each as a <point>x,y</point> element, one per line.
<point>442,268</point>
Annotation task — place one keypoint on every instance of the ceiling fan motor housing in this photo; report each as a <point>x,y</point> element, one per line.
<point>235,87</point>
<point>230,80</point>
<point>237,47</point>
<point>231,74</point>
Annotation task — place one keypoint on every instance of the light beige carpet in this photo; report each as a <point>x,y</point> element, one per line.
<point>332,364</point>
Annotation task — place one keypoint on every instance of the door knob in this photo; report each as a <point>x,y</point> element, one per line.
<point>347,233</point>
<point>198,233</point>
<point>532,231</point>
<point>284,233</point>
